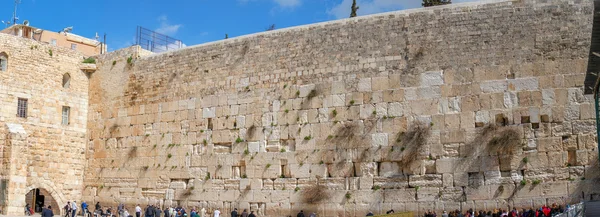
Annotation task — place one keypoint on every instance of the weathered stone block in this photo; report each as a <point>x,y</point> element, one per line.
<point>427,180</point>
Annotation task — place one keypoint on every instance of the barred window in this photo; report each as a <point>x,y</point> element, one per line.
<point>22,108</point>
<point>3,61</point>
<point>65,115</point>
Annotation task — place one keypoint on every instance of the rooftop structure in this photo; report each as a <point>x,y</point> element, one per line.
<point>86,46</point>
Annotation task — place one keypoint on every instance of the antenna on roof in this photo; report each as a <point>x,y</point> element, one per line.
<point>15,18</point>
<point>67,30</point>
<point>6,23</point>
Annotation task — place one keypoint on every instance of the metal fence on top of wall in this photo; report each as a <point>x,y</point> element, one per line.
<point>156,42</point>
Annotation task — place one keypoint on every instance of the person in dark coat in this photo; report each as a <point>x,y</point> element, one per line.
<point>245,213</point>
<point>234,213</point>
<point>47,212</point>
<point>300,214</point>
<point>150,211</point>
<point>157,211</point>
<point>252,214</point>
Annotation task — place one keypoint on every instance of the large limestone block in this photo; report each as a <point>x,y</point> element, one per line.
<point>521,84</point>
<point>380,83</point>
<point>389,169</point>
<point>209,112</point>
<point>427,180</point>
<point>366,169</point>
<point>399,195</point>
<point>428,194</point>
<point>432,78</point>
<point>318,171</point>
<point>379,139</point>
<point>341,169</point>
<point>306,89</point>
<point>300,170</point>
<point>397,182</point>
<point>365,183</point>
<point>494,86</point>
<point>364,85</point>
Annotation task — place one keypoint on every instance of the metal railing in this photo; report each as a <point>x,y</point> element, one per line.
<point>576,210</point>
<point>156,42</point>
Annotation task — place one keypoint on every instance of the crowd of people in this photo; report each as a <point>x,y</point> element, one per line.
<point>544,211</point>
<point>179,211</point>
<point>71,210</point>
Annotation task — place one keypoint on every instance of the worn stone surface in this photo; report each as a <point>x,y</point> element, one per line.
<point>252,122</point>
<point>39,151</point>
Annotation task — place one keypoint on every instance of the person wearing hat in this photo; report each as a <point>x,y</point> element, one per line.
<point>234,213</point>
<point>252,214</point>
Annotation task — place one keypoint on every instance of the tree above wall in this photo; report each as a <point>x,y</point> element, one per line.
<point>429,3</point>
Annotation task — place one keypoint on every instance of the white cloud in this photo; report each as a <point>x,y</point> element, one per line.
<point>281,3</point>
<point>165,27</point>
<point>366,7</point>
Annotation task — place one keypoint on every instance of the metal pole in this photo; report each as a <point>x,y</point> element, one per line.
<point>104,44</point>
<point>15,12</point>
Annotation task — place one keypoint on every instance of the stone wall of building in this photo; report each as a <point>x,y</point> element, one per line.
<point>39,151</point>
<point>476,105</point>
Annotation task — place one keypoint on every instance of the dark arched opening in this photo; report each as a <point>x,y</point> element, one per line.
<point>39,198</point>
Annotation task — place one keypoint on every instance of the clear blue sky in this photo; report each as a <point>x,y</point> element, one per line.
<point>192,21</point>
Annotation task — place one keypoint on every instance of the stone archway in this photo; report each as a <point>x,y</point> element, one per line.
<point>49,190</point>
<point>39,198</point>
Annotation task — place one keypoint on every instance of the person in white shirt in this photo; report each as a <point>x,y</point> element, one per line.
<point>217,213</point>
<point>203,212</point>
<point>74,208</point>
<point>138,211</point>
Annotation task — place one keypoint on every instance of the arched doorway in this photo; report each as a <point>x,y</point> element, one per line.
<point>39,197</point>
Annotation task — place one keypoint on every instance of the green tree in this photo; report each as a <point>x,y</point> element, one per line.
<point>354,9</point>
<point>226,36</point>
<point>429,3</point>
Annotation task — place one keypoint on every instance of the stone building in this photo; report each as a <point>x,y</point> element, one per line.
<point>43,111</point>
<point>86,46</point>
<point>474,105</point>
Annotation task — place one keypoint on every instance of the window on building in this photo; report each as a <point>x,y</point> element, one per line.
<point>53,42</point>
<point>22,108</point>
<point>66,110</point>
<point>73,46</point>
<point>3,61</point>
<point>66,82</point>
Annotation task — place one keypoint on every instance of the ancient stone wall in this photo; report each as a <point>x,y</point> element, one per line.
<point>39,151</point>
<point>474,105</point>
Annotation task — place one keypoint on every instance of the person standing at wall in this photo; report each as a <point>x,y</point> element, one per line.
<point>217,213</point>
<point>47,212</point>
<point>84,207</point>
<point>157,211</point>
<point>149,211</point>
<point>138,211</point>
<point>74,208</point>
<point>234,213</point>
<point>167,213</point>
<point>252,214</point>
<point>120,209</point>
<point>67,209</point>
<point>245,213</point>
